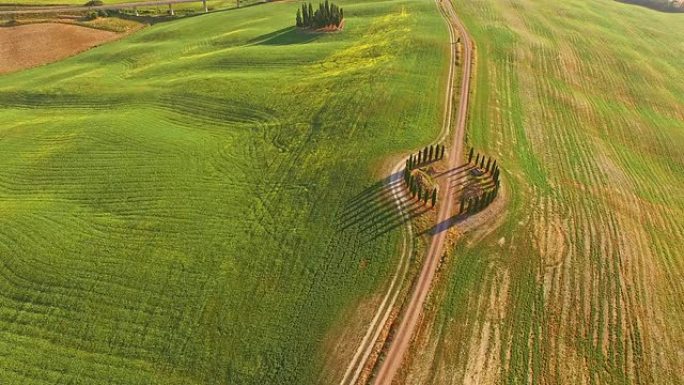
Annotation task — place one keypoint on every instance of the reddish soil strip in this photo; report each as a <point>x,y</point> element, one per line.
<point>31,45</point>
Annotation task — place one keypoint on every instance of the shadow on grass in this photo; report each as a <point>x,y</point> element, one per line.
<point>375,212</point>
<point>285,36</point>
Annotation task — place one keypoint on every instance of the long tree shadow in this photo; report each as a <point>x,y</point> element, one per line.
<point>380,208</point>
<point>456,171</point>
<point>284,36</point>
<point>445,224</point>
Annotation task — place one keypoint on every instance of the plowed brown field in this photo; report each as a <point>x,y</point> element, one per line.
<point>31,45</point>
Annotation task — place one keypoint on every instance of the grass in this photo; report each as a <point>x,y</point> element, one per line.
<point>170,203</point>
<point>582,104</point>
<point>215,4</point>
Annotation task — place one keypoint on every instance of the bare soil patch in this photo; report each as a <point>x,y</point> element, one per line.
<point>27,46</point>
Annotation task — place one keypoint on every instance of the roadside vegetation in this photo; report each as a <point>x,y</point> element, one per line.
<point>171,204</point>
<point>579,281</point>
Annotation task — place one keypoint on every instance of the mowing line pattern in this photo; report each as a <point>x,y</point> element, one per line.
<point>177,207</point>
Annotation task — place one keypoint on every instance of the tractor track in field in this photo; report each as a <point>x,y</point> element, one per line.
<point>400,343</point>
<point>396,351</point>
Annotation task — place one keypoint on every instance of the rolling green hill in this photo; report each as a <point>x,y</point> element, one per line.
<point>175,206</point>
<point>580,282</point>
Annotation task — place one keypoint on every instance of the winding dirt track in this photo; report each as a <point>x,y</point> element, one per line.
<point>367,346</point>
<point>392,362</point>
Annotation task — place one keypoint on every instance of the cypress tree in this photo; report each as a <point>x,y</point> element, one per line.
<point>425,153</point>
<point>299,22</point>
<point>434,197</point>
<point>470,155</point>
<point>489,163</point>
<point>426,193</point>
<point>430,153</point>
<point>477,160</point>
<point>494,165</point>
<point>460,210</point>
<point>419,155</point>
<point>420,190</point>
<point>311,16</point>
<point>482,162</point>
<point>442,154</point>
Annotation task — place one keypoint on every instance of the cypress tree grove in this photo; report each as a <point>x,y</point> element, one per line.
<point>327,14</point>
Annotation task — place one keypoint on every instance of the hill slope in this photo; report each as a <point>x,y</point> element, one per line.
<point>178,207</point>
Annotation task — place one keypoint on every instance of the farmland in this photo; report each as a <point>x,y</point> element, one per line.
<point>579,280</point>
<point>171,203</point>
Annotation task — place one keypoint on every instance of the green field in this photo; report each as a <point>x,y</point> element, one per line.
<point>222,4</point>
<point>582,102</point>
<point>174,206</point>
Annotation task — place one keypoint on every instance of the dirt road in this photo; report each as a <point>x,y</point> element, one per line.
<point>392,362</point>
<point>367,346</point>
